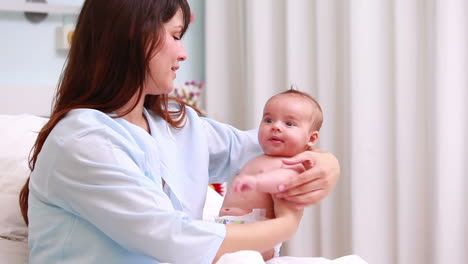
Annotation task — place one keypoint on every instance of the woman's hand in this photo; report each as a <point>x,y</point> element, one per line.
<point>316,182</point>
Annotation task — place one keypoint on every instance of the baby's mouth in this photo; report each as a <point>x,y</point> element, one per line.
<point>276,140</point>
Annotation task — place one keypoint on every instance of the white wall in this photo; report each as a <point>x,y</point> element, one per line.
<point>30,64</point>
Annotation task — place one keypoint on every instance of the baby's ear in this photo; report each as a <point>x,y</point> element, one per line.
<point>313,139</point>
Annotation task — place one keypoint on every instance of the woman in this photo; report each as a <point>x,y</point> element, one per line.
<point>119,174</point>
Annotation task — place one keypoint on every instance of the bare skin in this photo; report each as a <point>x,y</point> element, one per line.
<point>247,193</point>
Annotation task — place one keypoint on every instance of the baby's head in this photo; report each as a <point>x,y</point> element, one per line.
<point>290,124</point>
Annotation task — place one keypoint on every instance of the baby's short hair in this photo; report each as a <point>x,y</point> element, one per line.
<point>318,113</point>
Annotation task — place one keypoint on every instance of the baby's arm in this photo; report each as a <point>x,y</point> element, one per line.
<point>237,203</point>
<point>267,182</point>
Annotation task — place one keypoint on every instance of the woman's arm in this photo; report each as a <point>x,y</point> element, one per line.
<point>264,235</point>
<point>314,184</point>
<point>229,149</point>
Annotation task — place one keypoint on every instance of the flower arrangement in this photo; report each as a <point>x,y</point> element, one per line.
<point>190,92</point>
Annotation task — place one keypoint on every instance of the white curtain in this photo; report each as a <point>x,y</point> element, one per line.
<point>391,76</point>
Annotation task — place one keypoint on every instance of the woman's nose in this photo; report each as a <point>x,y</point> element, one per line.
<point>182,54</point>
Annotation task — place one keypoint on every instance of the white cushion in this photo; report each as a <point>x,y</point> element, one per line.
<point>17,136</point>
<point>13,252</point>
<point>213,204</point>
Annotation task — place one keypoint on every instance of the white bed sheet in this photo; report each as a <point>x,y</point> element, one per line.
<point>253,257</point>
<point>211,210</point>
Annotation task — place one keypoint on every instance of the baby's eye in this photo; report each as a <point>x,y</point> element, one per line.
<point>268,120</point>
<point>290,124</point>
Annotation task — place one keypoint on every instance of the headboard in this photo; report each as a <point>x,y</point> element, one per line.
<point>26,99</point>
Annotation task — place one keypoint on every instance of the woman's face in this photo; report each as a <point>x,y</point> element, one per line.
<point>165,63</point>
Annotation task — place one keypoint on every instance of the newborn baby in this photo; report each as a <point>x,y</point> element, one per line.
<point>290,125</point>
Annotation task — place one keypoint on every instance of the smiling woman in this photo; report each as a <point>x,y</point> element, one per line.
<point>120,170</point>
<point>165,61</point>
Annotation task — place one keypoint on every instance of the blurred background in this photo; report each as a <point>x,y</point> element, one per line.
<point>391,76</point>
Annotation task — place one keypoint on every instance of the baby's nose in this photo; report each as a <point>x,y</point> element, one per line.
<point>276,126</point>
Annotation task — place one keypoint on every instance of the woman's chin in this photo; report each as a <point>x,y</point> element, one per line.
<point>169,88</point>
<point>160,91</point>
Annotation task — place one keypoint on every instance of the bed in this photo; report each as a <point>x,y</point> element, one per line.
<point>17,136</point>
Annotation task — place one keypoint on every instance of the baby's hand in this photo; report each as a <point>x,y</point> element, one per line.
<point>244,184</point>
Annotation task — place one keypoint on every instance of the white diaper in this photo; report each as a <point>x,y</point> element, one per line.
<point>257,214</point>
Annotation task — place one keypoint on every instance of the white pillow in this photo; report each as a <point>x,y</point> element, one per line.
<point>13,252</point>
<point>17,136</point>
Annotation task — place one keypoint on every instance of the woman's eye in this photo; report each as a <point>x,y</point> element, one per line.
<point>176,37</point>
<point>290,124</point>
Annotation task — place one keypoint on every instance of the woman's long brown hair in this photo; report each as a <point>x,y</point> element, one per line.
<point>108,62</point>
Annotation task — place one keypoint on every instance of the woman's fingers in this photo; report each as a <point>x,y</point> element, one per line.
<point>306,158</point>
<point>306,199</point>
<point>307,176</point>
<point>314,185</point>
<point>306,194</point>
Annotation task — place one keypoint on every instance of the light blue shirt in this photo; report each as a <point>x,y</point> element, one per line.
<point>97,195</point>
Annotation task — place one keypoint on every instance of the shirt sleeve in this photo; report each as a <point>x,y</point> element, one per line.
<point>229,149</point>
<point>102,179</point>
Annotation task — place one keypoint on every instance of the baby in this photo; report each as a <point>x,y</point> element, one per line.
<point>290,125</point>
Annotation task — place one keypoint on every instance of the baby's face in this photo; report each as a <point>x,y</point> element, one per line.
<point>285,128</point>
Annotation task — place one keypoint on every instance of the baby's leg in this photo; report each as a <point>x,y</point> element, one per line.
<point>234,211</point>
